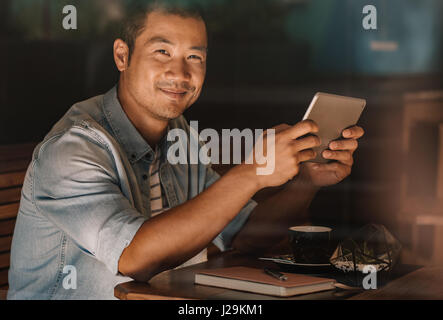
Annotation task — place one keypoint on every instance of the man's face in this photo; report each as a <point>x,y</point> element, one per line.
<point>168,65</point>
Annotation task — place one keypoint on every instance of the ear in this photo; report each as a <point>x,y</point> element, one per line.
<point>121,55</point>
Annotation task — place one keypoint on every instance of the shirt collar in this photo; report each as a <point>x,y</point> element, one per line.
<point>126,134</point>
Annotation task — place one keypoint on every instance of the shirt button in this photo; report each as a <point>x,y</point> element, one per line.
<point>145,177</point>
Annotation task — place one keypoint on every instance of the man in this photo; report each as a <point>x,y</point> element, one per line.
<point>101,204</point>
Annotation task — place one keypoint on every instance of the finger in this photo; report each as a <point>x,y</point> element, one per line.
<point>300,129</point>
<point>306,143</point>
<point>345,144</point>
<point>281,127</point>
<point>277,129</point>
<point>344,157</point>
<point>340,170</point>
<point>354,132</point>
<point>306,155</point>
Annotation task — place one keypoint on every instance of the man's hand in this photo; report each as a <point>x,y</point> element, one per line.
<point>341,152</point>
<point>290,150</point>
<point>289,205</point>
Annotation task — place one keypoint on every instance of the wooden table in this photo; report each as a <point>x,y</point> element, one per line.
<point>423,284</point>
<point>413,282</point>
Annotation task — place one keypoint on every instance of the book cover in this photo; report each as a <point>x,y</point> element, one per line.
<point>257,281</point>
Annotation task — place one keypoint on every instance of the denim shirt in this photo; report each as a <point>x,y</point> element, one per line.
<point>85,195</point>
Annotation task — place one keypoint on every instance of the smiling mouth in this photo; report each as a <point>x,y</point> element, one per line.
<point>174,94</point>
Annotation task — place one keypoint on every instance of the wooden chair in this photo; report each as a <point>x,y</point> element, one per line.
<point>421,190</point>
<point>14,160</point>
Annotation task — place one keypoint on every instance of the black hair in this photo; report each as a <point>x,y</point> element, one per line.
<point>135,22</point>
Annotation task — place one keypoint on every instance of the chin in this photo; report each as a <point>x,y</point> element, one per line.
<point>166,109</point>
<point>172,112</point>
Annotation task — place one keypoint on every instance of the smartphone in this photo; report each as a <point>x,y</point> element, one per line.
<point>333,114</point>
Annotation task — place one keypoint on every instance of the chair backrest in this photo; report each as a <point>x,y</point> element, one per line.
<point>14,160</point>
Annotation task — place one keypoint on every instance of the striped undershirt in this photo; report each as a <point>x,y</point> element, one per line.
<point>159,204</point>
<point>158,200</point>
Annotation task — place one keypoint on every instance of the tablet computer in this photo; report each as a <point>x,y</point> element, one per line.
<point>333,114</point>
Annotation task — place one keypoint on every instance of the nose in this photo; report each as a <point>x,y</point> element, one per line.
<point>178,70</point>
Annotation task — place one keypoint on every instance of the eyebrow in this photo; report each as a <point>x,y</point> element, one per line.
<point>200,48</point>
<point>160,39</point>
<point>157,39</point>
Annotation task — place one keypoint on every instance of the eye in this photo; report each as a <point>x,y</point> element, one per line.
<point>162,51</point>
<point>195,57</point>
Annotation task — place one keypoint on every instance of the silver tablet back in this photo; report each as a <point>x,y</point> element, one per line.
<point>333,114</point>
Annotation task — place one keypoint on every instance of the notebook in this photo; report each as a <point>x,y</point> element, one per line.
<point>257,281</point>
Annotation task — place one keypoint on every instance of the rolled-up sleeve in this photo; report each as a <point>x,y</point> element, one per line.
<point>224,240</point>
<point>77,188</point>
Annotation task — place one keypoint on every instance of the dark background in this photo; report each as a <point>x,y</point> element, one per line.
<point>266,61</point>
